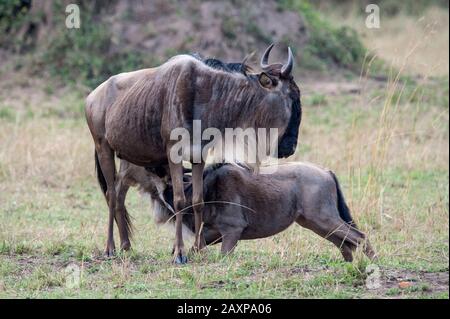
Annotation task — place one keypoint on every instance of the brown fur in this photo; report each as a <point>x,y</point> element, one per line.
<point>132,115</point>
<point>241,205</point>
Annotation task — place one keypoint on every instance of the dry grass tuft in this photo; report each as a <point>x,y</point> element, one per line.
<point>399,34</point>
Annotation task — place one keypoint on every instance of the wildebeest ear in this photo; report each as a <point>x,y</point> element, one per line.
<point>245,67</point>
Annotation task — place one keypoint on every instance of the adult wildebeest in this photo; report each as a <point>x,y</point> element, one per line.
<point>241,205</point>
<point>133,114</point>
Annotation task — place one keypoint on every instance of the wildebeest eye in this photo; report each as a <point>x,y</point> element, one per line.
<point>265,80</point>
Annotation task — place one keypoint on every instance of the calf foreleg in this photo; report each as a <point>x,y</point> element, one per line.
<point>229,241</point>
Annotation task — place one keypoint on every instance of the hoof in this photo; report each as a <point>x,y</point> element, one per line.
<point>125,247</point>
<point>181,260</point>
<point>109,253</point>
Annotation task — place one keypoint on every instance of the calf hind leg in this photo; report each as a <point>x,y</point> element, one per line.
<point>345,248</point>
<point>352,237</point>
<point>342,235</point>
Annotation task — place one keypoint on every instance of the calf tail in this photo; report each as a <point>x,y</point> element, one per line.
<point>344,211</point>
<point>100,177</point>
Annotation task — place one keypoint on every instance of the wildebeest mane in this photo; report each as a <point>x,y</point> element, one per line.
<point>290,137</point>
<point>217,64</point>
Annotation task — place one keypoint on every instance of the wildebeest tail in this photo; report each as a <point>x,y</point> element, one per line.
<point>344,211</point>
<point>100,177</point>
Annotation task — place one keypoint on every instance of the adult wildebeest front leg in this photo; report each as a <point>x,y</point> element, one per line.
<point>179,201</point>
<point>198,204</point>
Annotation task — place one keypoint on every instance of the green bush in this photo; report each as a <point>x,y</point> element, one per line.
<point>84,55</point>
<point>13,15</point>
<point>81,55</point>
<point>11,12</point>
<point>87,55</point>
<point>326,44</point>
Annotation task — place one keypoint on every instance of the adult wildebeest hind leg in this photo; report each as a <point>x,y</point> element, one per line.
<point>97,105</point>
<point>106,173</point>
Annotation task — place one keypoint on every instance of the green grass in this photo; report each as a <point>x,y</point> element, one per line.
<point>7,113</point>
<point>53,215</point>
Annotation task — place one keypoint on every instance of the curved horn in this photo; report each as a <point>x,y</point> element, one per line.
<point>287,68</point>
<point>265,57</point>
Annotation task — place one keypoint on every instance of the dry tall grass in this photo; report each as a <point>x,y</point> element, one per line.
<point>398,34</point>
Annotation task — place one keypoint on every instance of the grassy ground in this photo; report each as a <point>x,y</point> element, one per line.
<point>387,142</point>
<point>394,172</point>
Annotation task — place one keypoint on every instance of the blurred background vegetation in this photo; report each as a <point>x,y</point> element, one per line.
<point>118,36</point>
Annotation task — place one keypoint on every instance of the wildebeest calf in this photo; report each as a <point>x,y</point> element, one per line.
<point>242,205</point>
